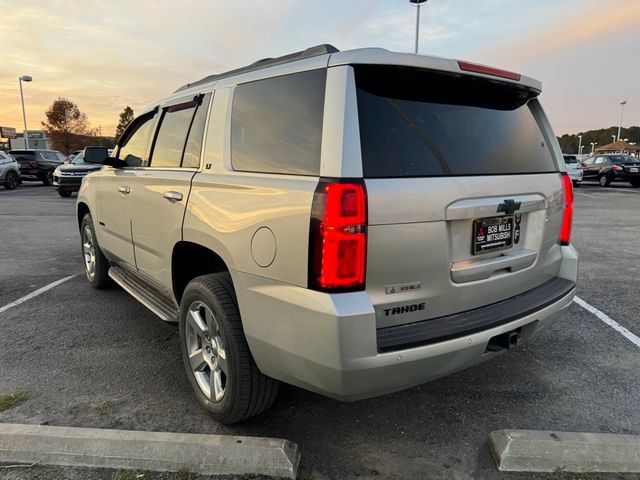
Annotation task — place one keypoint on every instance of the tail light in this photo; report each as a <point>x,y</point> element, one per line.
<point>567,210</point>
<point>338,236</point>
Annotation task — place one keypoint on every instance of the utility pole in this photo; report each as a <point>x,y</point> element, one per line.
<point>418,4</point>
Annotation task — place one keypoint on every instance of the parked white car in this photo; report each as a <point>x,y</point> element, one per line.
<point>574,169</point>
<point>9,172</point>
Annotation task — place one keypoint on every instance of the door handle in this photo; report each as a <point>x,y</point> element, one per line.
<point>172,196</point>
<point>124,190</point>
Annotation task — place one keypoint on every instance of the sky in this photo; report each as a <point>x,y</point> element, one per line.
<point>104,55</point>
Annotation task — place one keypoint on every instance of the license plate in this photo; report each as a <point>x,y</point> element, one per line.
<point>491,234</point>
<point>633,169</point>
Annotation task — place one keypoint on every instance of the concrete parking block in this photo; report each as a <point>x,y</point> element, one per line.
<point>153,451</point>
<point>545,451</point>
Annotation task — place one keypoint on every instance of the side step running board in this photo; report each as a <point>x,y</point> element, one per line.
<point>146,294</point>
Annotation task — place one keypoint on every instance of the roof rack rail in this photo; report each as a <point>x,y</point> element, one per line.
<point>266,62</point>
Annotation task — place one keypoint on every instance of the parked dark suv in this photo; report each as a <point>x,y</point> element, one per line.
<point>612,168</point>
<point>38,164</point>
<point>68,177</point>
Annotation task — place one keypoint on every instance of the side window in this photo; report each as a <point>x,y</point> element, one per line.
<point>600,160</point>
<point>191,157</point>
<point>588,161</point>
<point>172,135</point>
<point>276,124</point>
<point>133,148</point>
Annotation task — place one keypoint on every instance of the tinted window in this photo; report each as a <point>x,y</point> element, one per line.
<point>420,123</point>
<point>23,155</point>
<point>191,157</point>
<point>569,159</point>
<point>276,124</point>
<point>134,147</point>
<point>172,135</point>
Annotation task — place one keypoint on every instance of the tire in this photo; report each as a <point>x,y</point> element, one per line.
<point>210,324</point>
<point>98,276</point>
<point>576,184</point>
<point>635,183</point>
<point>64,193</point>
<point>48,178</point>
<point>604,180</point>
<point>11,180</point>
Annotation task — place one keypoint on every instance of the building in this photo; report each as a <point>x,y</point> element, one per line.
<point>620,147</point>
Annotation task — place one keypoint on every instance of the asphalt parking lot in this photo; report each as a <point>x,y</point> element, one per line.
<point>100,359</point>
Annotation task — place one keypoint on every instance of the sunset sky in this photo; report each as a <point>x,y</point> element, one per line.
<point>104,55</point>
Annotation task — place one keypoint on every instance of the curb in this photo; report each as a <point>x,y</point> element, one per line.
<point>543,451</point>
<point>153,451</point>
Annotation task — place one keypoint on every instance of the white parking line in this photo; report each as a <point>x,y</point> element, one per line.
<point>35,293</point>
<point>585,194</point>
<point>609,321</point>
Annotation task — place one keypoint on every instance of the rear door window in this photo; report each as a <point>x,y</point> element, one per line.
<point>172,135</point>
<point>416,123</point>
<point>276,124</point>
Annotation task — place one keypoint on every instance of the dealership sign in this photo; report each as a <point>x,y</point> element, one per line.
<point>7,132</point>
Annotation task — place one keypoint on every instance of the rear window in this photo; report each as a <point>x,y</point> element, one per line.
<point>568,160</point>
<point>276,124</point>
<point>416,123</point>
<point>23,155</point>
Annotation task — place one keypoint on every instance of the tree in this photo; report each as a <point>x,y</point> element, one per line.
<point>66,126</point>
<point>126,117</point>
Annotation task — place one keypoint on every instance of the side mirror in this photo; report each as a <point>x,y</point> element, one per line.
<point>114,162</point>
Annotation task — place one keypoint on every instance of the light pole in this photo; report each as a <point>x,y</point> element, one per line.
<point>593,145</point>
<point>418,4</point>
<point>24,78</point>
<point>622,104</point>
<point>579,144</point>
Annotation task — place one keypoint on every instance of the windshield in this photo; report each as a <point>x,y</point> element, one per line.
<point>456,126</point>
<point>79,158</point>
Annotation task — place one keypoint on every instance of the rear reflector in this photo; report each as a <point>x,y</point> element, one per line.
<point>567,210</point>
<point>337,237</point>
<point>496,72</point>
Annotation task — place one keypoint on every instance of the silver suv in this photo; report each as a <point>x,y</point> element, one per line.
<point>9,172</point>
<point>353,223</point>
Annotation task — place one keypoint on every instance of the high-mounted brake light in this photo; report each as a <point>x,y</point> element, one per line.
<point>567,210</point>
<point>496,72</point>
<point>338,236</point>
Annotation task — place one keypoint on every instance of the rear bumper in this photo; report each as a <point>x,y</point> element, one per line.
<point>575,175</point>
<point>329,344</point>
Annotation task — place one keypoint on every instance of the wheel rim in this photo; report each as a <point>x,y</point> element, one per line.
<point>12,180</point>
<point>603,181</point>
<point>49,178</point>
<point>207,354</point>
<point>89,251</point>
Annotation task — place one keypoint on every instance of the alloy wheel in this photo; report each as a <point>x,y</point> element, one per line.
<point>206,351</point>
<point>89,252</point>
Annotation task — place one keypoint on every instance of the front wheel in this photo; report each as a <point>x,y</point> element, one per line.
<point>219,365</point>
<point>64,193</point>
<point>96,265</point>
<point>576,183</point>
<point>604,180</point>
<point>635,183</point>
<point>11,180</point>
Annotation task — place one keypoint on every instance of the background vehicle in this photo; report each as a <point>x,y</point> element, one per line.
<point>38,164</point>
<point>71,156</point>
<point>9,172</point>
<point>612,168</point>
<point>68,177</point>
<point>574,169</point>
<point>344,229</point>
